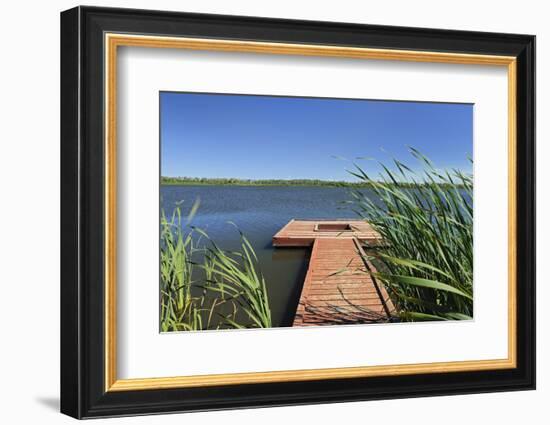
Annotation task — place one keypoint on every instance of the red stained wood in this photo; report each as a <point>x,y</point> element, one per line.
<point>338,288</point>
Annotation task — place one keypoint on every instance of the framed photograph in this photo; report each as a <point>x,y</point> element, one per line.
<point>261,212</point>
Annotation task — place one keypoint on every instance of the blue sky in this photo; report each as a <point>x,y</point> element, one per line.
<point>269,137</point>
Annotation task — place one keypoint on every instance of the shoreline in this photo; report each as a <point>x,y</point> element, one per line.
<point>305,184</point>
<point>261,185</point>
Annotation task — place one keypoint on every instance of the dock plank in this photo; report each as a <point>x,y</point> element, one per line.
<point>331,297</point>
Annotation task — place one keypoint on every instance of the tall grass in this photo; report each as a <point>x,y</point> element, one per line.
<point>426,259</point>
<point>206,287</point>
<point>236,277</point>
<point>179,309</point>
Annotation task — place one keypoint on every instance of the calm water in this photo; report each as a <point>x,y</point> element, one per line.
<point>260,212</point>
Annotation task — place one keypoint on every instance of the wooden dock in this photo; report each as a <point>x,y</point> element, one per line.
<point>338,288</point>
<point>304,232</point>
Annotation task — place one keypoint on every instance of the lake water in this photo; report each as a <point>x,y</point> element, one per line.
<point>260,212</point>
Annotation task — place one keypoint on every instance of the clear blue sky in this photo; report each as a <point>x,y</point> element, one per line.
<point>268,137</point>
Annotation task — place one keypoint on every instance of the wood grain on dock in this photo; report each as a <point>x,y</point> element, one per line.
<point>338,287</point>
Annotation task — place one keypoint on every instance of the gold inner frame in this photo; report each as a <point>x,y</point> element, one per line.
<point>113,41</point>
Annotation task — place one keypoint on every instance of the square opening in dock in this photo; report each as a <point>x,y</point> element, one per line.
<point>333,227</point>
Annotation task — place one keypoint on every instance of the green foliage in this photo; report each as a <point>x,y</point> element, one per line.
<point>426,260</point>
<point>197,181</point>
<point>224,290</point>
<point>236,278</point>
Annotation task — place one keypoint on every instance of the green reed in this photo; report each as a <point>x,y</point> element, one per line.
<point>426,258</point>
<point>235,276</point>
<point>206,287</point>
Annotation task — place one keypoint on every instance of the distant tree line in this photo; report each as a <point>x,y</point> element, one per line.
<point>231,181</point>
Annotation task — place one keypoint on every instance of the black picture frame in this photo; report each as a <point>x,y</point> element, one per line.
<point>83,392</point>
